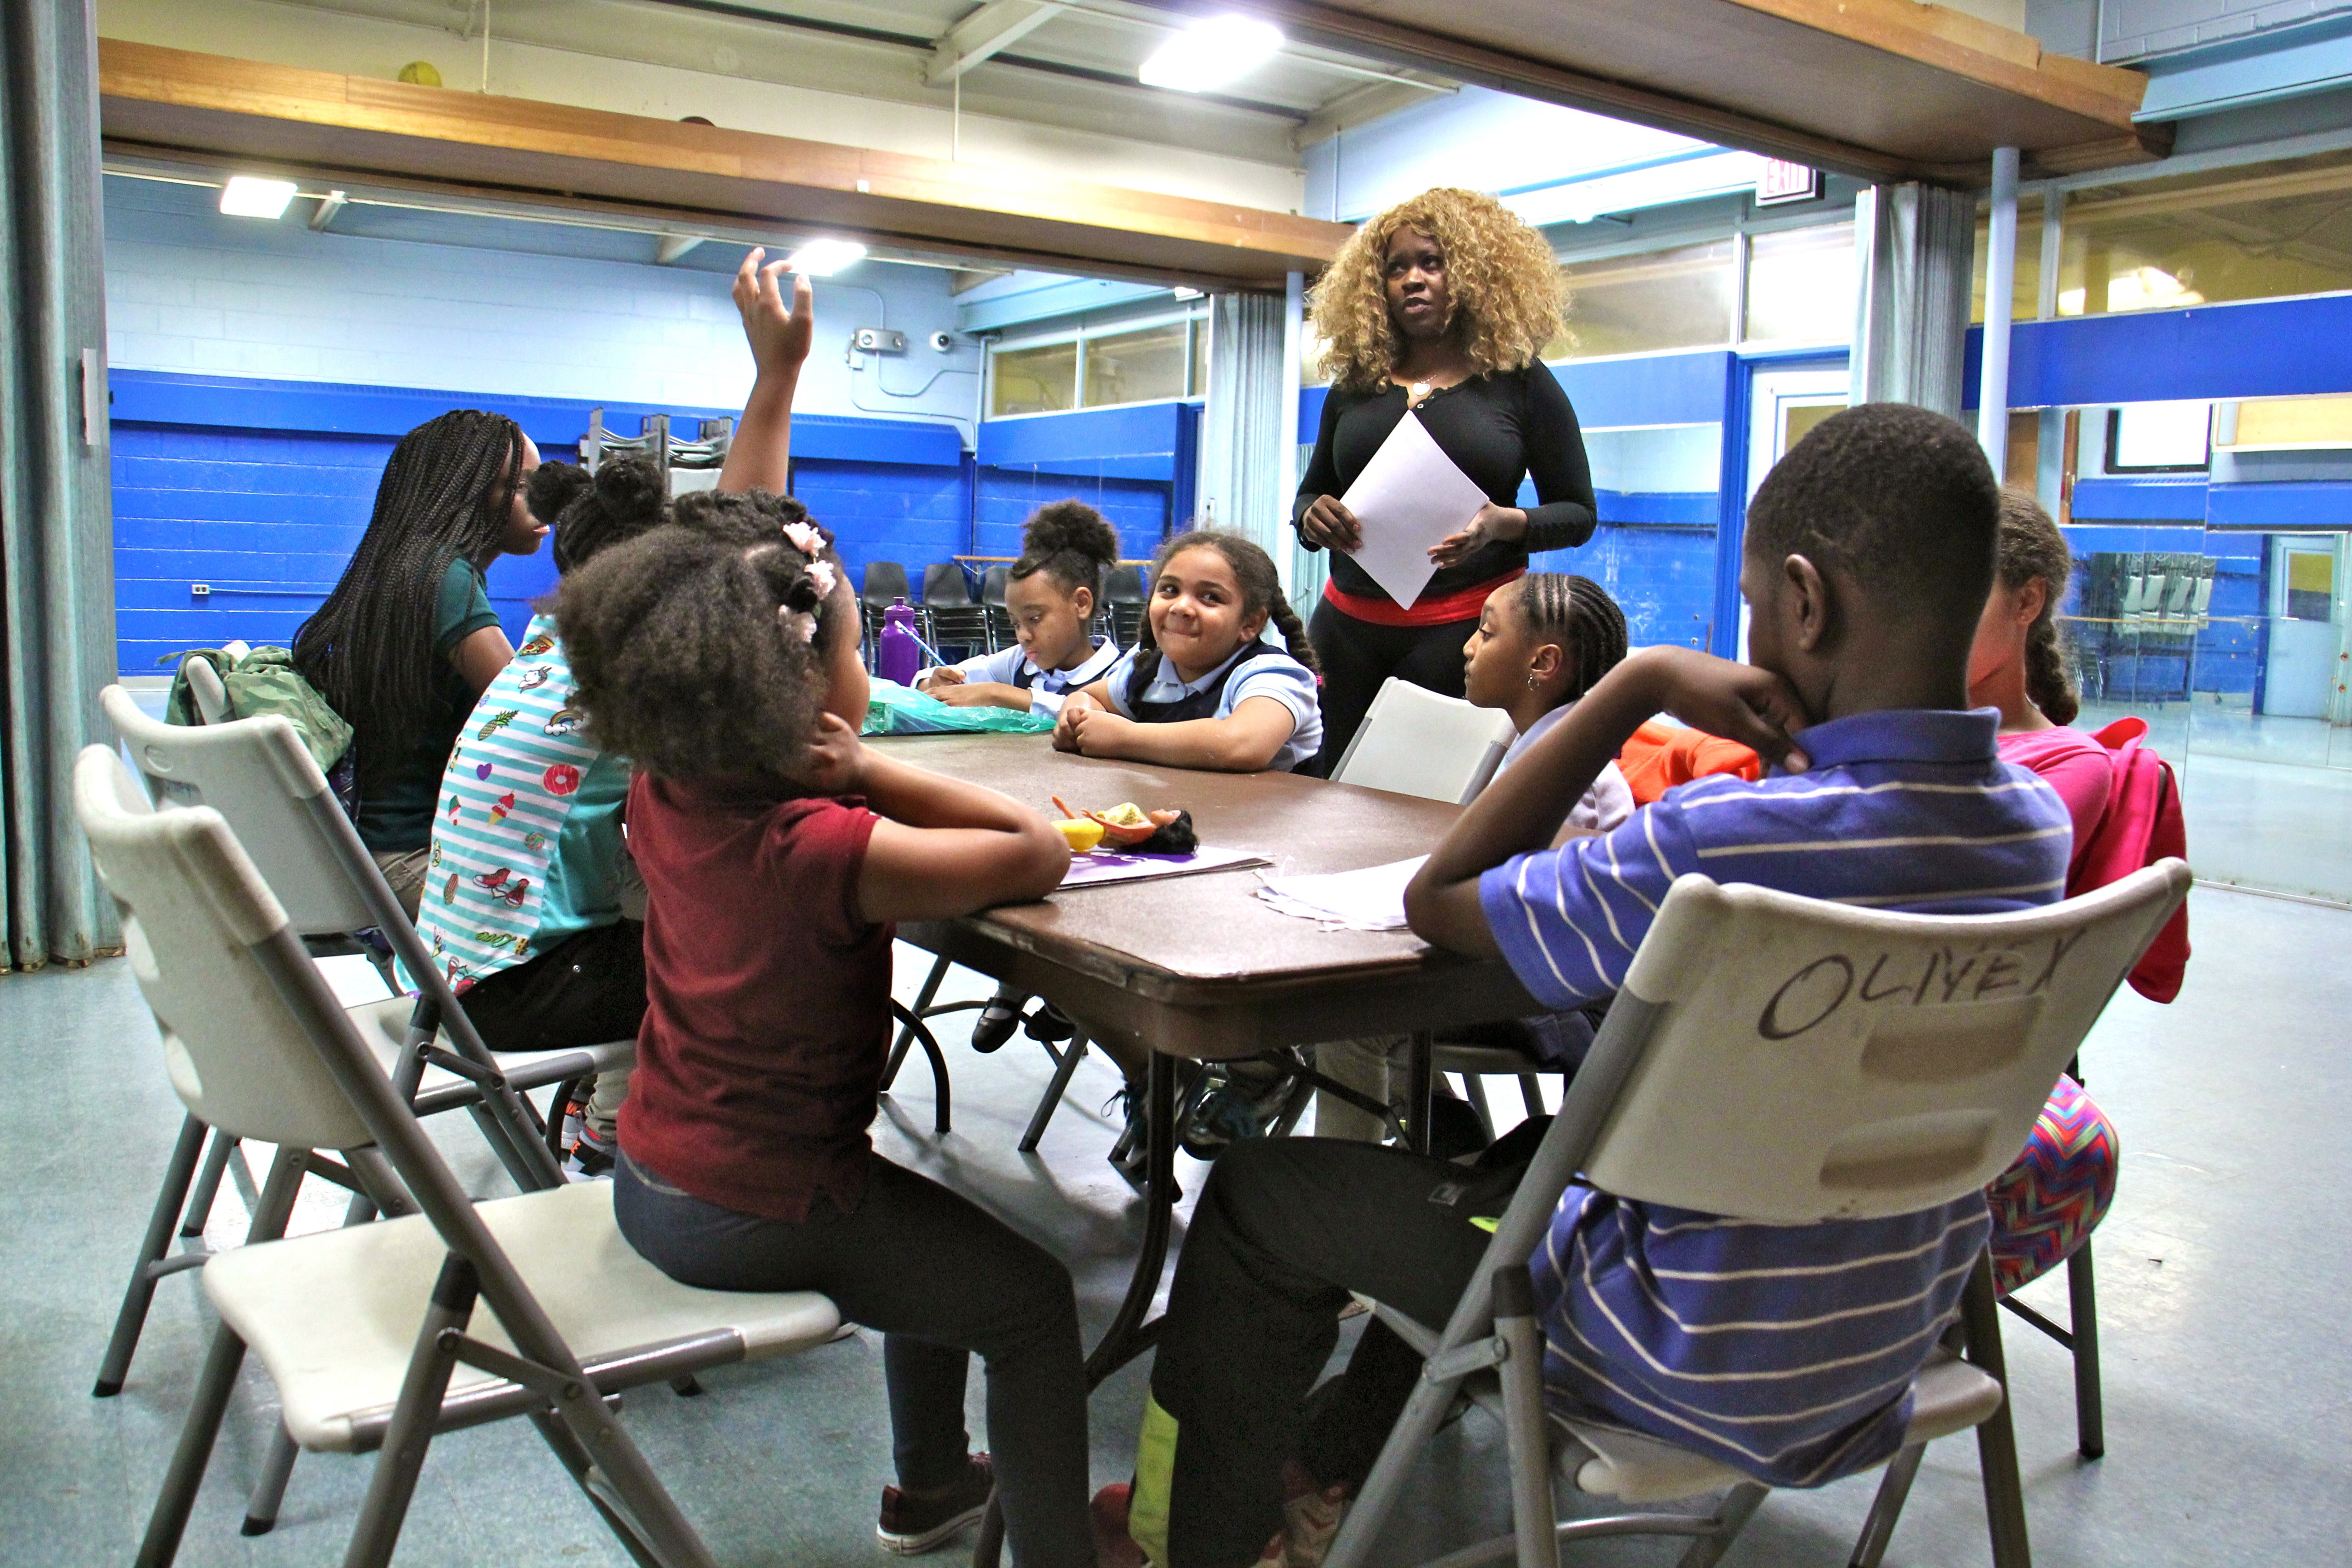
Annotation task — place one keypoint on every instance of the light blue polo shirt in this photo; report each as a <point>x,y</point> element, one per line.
<point>1046,688</point>
<point>1281,677</point>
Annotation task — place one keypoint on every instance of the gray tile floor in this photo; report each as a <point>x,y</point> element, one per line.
<point>2229,1382</point>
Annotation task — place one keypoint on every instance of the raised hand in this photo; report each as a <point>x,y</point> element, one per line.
<point>779,336</point>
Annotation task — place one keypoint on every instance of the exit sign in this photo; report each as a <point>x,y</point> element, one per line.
<point>1782,181</point>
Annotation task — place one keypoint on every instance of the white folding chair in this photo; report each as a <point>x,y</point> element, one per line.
<point>262,779</point>
<point>374,1333</point>
<point>1415,742</point>
<point>1759,1064</point>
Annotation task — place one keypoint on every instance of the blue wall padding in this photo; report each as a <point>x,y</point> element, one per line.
<point>910,513</point>
<point>2286,507</point>
<point>1140,512</point>
<point>1139,442</point>
<point>1662,575</point>
<point>1659,389</point>
<point>2267,348</point>
<point>2135,500</point>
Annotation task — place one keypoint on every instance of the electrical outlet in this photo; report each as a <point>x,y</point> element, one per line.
<point>880,340</point>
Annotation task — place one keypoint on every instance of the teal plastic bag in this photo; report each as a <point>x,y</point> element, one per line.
<point>896,709</point>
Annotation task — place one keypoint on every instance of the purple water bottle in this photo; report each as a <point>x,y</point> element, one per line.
<point>901,656</point>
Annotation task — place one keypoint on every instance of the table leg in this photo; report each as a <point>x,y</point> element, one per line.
<point>1128,1335</point>
<point>1420,1091</point>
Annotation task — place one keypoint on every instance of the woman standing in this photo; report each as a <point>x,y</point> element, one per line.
<point>1441,305</point>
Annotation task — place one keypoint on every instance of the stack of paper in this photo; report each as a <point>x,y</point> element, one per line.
<point>1369,900</point>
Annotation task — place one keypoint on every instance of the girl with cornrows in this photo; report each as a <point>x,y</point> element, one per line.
<point>1440,307</point>
<point>407,641</point>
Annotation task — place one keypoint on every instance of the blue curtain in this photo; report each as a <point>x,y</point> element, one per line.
<point>56,563</point>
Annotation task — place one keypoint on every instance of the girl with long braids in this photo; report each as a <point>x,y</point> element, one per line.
<point>1200,690</point>
<point>1439,308</point>
<point>722,660</point>
<point>408,640</point>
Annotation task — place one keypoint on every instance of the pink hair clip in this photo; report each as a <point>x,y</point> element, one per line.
<point>821,574</point>
<point>805,538</point>
<point>799,621</point>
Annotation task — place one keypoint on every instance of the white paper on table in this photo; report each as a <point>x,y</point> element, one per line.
<point>1409,497</point>
<point>1369,900</point>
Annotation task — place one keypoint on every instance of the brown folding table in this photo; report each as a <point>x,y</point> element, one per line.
<point>1198,966</point>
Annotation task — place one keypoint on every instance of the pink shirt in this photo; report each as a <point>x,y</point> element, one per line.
<point>2074,764</point>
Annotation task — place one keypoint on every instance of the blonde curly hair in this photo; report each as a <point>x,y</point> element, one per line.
<point>1508,293</point>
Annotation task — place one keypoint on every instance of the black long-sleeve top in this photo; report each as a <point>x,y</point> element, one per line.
<point>1499,430</point>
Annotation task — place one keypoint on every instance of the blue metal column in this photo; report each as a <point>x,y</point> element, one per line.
<point>2000,282</point>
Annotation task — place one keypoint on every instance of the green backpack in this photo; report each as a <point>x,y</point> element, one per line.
<point>264,681</point>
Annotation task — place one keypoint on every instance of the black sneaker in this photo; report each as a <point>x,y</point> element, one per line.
<point>996,1024</point>
<point>912,1526</point>
<point>1244,1101</point>
<point>1049,1025</point>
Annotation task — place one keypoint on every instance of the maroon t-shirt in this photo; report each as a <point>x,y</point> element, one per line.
<point>767,997</point>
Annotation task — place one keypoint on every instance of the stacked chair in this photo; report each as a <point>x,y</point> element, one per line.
<point>991,599</point>
<point>1122,606</point>
<point>380,1335</point>
<point>951,620</point>
<point>1743,1072</point>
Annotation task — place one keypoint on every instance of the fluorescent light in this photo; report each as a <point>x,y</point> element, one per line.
<point>824,257</point>
<point>246,196</point>
<point>1210,53</point>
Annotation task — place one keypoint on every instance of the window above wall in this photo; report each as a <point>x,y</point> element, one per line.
<point>1099,366</point>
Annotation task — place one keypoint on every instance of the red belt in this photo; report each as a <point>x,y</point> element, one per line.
<point>1463,604</point>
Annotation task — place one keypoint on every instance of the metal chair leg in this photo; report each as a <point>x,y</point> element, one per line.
<point>923,999</point>
<point>1887,1507</point>
<point>269,1491</point>
<point>914,1025</point>
<point>141,1293</point>
<point>1731,1516</point>
<point>1066,1063</point>
<point>1473,1088</point>
<point>2090,1412</point>
<point>200,1202</point>
<point>1531,1093</point>
<point>1996,1438</point>
<point>413,1417</point>
<point>216,1383</point>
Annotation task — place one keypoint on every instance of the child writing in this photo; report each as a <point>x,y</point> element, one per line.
<point>1869,551</point>
<point>1200,690</point>
<point>1050,593</point>
<point>722,657</point>
<point>532,904</point>
<point>408,640</point>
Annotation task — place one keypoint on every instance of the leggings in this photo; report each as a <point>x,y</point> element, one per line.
<point>1357,656</point>
<point>940,1278</point>
<point>586,990</point>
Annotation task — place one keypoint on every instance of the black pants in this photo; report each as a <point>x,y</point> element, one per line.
<point>1285,1230</point>
<point>939,1278</point>
<point>1357,656</point>
<point>586,990</point>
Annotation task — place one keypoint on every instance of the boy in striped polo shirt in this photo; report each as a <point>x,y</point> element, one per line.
<point>1786,1352</point>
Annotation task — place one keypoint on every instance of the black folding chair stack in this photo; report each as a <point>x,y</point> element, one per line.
<point>956,626</point>
<point>1123,600</point>
<point>992,584</point>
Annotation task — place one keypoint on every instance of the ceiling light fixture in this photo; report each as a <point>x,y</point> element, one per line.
<point>824,257</point>
<point>1210,53</point>
<point>247,196</point>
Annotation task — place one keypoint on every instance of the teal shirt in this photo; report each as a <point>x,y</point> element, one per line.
<point>396,797</point>
<point>527,824</point>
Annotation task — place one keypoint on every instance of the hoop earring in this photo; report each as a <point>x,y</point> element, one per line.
<point>1532,681</point>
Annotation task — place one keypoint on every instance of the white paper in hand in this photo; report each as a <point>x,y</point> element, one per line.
<point>1409,497</point>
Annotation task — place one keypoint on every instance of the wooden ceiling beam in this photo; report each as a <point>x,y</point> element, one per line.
<point>174,101</point>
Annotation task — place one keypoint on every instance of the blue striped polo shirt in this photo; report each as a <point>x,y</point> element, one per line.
<point>1786,1352</point>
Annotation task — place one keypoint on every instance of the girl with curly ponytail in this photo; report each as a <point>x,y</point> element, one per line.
<point>1050,595</point>
<point>721,654</point>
